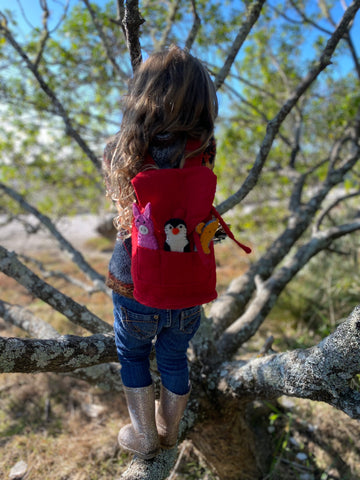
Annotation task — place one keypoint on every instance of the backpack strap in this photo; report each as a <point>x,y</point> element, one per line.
<point>228,231</point>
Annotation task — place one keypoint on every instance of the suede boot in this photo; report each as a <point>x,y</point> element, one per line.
<point>140,437</point>
<point>169,413</point>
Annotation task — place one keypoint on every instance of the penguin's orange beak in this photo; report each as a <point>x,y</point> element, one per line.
<point>175,231</point>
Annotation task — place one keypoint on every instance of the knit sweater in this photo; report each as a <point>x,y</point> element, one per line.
<point>161,151</point>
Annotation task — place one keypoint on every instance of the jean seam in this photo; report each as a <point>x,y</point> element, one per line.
<point>131,327</point>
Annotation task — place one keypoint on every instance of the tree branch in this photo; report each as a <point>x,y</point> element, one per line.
<point>195,27</point>
<point>76,313</point>
<point>62,354</point>
<point>334,204</point>
<point>97,279</point>
<point>24,319</point>
<point>105,376</point>
<point>160,467</point>
<point>299,181</point>
<point>274,125</point>
<point>321,373</point>
<point>156,469</point>
<point>45,33</point>
<point>231,304</point>
<point>131,22</point>
<point>354,54</point>
<point>58,274</point>
<point>347,37</point>
<point>308,20</point>
<point>252,16</point>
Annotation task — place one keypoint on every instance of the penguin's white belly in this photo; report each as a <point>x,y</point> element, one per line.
<point>177,243</point>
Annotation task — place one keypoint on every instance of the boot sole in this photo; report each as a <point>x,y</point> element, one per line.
<point>143,456</point>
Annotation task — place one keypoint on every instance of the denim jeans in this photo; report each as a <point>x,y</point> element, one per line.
<point>136,326</point>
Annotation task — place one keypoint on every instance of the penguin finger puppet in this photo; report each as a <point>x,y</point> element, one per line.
<point>176,236</point>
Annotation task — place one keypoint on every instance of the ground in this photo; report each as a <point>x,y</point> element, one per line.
<point>64,429</point>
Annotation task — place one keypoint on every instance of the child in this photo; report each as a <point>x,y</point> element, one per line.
<point>168,118</point>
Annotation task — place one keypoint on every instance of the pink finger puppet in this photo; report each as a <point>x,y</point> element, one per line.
<point>145,227</point>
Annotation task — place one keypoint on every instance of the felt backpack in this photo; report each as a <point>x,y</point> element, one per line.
<point>174,222</point>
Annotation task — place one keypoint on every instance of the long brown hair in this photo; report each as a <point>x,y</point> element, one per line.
<point>170,93</point>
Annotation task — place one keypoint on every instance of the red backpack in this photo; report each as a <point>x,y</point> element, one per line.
<point>173,262</point>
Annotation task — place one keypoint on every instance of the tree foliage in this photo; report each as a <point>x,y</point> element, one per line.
<point>288,77</point>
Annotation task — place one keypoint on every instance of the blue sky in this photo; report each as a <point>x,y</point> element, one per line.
<point>33,14</point>
<point>33,11</point>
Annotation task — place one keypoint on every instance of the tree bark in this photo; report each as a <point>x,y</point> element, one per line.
<point>132,22</point>
<point>64,354</point>
<point>321,373</point>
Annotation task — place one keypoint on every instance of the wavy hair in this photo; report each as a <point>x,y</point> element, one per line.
<point>170,93</point>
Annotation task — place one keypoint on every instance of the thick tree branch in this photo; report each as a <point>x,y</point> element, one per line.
<point>132,22</point>
<point>156,469</point>
<point>274,125</point>
<point>105,376</point>
<point>252,16</point>
<point>321,373</point>
<point>62,354</point>
<point>75,255</point>
<point>76,313</point>
<point>160,467</point>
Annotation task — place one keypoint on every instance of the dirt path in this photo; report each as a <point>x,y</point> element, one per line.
<point>16,236</point>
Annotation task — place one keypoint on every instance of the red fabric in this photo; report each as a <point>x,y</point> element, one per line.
<point>174,280</point>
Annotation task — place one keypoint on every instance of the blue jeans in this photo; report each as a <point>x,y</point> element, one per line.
<point>136,326</point>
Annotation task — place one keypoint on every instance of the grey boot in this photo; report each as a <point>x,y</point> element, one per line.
<point>168,416</point>
<point>140,437</point>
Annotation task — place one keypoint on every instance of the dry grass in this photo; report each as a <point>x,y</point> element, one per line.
<point>61,427</point>
<point>65,429</point>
